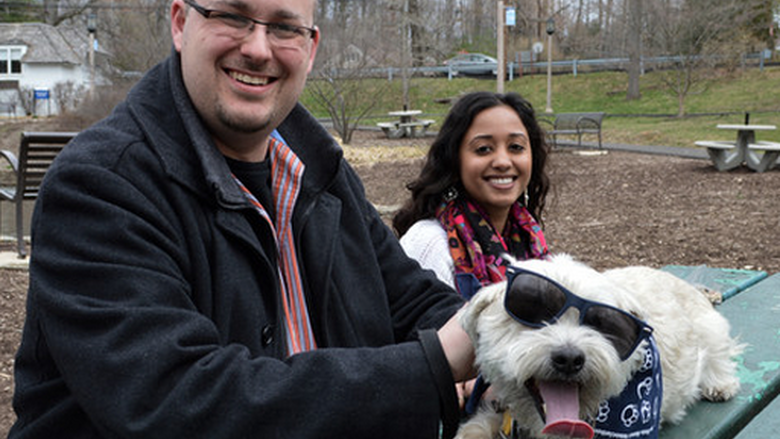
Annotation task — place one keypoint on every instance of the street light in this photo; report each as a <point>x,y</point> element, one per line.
<point>91,28</point>
<point>550,31</point>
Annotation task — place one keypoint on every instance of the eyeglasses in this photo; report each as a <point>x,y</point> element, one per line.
<point>240,26</point>
<point>536,301</point>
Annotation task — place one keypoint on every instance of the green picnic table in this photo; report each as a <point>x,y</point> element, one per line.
<point>752,306</point>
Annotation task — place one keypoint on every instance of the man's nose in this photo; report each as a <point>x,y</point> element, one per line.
<point>257,44</point>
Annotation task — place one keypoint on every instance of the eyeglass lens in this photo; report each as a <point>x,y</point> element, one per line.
<point>239,26</point>
<point>534,301</point>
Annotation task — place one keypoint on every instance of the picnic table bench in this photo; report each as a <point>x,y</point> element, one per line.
<point>576,124</point>
<point>751,303</point>
<point>37,151</point>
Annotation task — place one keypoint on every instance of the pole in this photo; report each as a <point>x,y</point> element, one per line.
<point>549,109</point>
<point>91,29</point>
<point>91,61</point>
<point>501,74</point>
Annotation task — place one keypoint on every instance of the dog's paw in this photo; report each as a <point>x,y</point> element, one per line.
<point>723,392</point>
<point>486,424</point>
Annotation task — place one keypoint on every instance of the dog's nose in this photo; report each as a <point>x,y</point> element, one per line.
<point>568,360</point>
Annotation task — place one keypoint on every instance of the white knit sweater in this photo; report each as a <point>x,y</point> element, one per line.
<point>426,241</point>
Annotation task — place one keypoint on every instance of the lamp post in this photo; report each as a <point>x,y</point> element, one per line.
<point>91,29</point>
<point>500,51</point>
<point>550,31</point>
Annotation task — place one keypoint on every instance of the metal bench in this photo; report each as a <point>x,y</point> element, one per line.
<point>576,124</point>
<point>37,151</point>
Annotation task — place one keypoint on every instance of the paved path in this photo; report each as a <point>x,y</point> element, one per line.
<point>691,153</point>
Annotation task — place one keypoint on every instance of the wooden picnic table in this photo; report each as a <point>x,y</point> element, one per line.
<point>752,306</point>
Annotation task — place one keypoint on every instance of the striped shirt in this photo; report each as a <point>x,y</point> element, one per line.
<point>286,176</point>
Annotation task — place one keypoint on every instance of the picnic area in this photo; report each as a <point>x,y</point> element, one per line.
<point>608,209</point>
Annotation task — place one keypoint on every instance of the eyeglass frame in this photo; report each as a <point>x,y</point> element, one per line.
<point>251,22</point>
<point>573,300</point>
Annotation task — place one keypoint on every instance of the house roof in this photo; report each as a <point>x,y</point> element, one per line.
<point>45,43</point>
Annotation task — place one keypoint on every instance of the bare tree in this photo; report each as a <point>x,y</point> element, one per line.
<point>139,35</point>
<point>346,99</point>
<point>634,49</point>
<point>55,12</point>
<point>350,49</point>
<point>697,35</point>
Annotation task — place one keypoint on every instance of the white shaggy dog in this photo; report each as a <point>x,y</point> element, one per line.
<point>578,359</point>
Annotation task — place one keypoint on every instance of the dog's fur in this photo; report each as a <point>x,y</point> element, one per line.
<point>692,337</point>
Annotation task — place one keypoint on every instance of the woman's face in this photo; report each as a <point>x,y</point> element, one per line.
<point>495,161</point>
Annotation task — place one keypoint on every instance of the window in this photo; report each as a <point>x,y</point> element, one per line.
<point>11,60</point>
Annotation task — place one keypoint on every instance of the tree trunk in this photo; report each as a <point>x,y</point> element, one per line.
<point>635,50</point>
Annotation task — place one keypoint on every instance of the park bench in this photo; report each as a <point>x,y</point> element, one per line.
<point>37,151</point>
<point>575,124</point>
<point>751,303</point>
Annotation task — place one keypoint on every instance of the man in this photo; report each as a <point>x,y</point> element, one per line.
<point>205,263</point>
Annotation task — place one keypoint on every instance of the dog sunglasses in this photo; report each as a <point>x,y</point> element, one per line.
<point>536,301</point>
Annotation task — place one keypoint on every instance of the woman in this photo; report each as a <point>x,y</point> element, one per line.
<point>480,193</point>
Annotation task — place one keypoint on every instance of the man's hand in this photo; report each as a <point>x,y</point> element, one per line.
<point>458,349</point>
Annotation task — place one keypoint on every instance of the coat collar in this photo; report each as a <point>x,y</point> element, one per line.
<point>174,130</point>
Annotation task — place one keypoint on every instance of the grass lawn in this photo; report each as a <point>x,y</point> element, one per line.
<point>722,99</point>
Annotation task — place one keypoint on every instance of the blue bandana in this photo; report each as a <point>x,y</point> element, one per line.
<point>635,413</point>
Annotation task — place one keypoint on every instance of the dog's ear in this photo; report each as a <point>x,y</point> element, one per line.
<point>478,303</point>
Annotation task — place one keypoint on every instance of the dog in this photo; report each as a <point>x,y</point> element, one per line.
<point>564,339</point>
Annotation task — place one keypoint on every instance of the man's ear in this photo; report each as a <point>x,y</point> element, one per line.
<point>178,17</point>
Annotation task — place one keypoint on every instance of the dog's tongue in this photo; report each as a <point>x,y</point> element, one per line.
<point>562,402</point>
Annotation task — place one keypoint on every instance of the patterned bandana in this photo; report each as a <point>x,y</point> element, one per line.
<point>636,412</point>
<point>476,247</point>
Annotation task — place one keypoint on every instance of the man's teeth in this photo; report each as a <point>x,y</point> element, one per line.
<point>252,80</point>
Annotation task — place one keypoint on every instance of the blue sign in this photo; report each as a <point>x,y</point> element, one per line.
<point>511,17</point>
<point>41,93</point>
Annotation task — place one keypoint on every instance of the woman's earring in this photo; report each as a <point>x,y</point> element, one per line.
<point>450,194</point>
<point>525,198</point>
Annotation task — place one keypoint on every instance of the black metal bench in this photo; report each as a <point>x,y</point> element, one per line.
<point>37,151</point>
<point>575,124</point>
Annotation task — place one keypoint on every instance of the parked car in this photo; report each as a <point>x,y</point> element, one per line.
<point>472,64</point>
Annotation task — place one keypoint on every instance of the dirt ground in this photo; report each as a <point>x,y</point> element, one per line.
<point>608,210</point>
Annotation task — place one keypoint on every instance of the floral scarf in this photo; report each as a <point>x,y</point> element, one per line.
<point>476,247</point>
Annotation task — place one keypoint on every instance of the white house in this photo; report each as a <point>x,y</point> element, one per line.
<point>36,62</point>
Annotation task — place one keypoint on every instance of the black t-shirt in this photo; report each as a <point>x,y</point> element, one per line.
<point>256,177</point>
